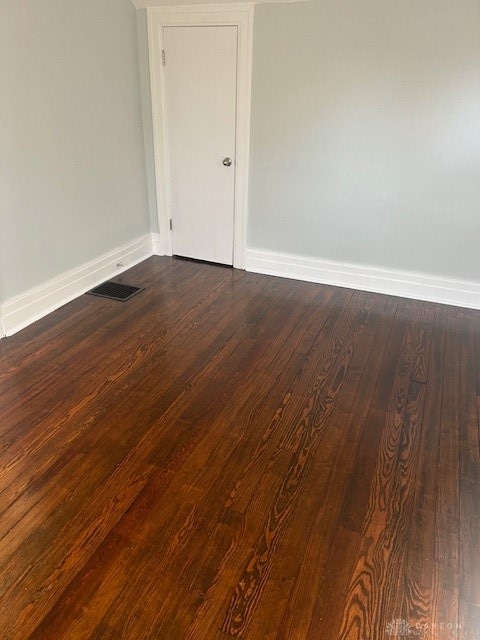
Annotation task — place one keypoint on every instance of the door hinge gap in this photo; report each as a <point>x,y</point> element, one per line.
<point>163,57</point>
<point>171,225</point>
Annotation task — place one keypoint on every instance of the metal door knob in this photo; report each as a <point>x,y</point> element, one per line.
<point>227,162</point>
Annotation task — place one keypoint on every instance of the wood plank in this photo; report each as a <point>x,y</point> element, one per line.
<point>445,600</point>
<point>235,455</point>
<point>369,605</point>
<point>306,437</point>
<point>417,576</point>
<point>469,469</point>
<point>325,566</point>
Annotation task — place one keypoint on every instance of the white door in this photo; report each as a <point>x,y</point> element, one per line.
<point>200,89</point>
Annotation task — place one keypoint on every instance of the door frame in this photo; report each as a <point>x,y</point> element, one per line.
<point>241,16</point>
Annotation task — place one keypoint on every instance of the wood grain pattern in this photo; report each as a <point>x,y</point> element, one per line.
<point>235,455</point>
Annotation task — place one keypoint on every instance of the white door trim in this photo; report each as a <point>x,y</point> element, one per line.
<point>241,16</point>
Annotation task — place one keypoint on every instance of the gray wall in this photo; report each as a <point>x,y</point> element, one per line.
<point>366,133</point>
<point>147,116</point>
<point>72,162</point>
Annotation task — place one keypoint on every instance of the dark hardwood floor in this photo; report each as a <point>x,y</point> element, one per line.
<point>235,455</point>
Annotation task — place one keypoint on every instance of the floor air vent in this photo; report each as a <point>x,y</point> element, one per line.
<point>115,291</point>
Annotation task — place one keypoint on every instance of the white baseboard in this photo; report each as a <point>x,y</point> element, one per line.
<point>19,312</point>
<point>158,245</point>
<point>3,331</point>
<point>461,293</point>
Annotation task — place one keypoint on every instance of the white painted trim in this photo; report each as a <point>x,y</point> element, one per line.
<point>3,331</point>
<point>36,303</point>
<point>157,245</point>
<point>21,311</point>
<point>461,293</point>
<point>240,15</point>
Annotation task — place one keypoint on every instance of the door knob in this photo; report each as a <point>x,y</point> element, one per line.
<point>227,162</point>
